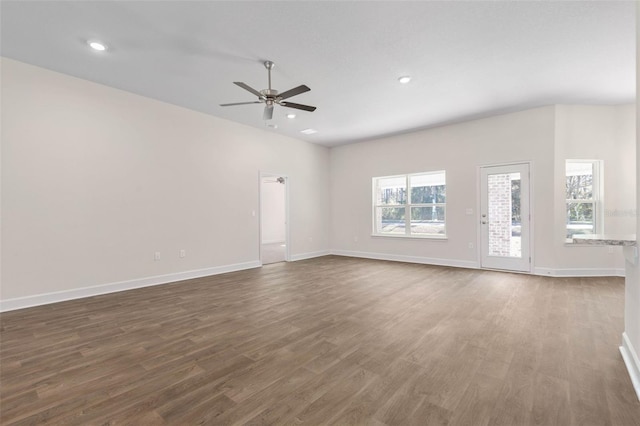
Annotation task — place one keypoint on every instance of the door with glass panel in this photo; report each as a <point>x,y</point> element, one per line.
<point>505,217</point>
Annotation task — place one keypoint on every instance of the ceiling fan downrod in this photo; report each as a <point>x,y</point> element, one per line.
<point>269,66</point>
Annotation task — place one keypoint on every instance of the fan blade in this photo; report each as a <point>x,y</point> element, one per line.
<point>298,106</point>
<point>241,103</point>
<point>293,92</point>
<point>248,88</point>
<point>268,112</point>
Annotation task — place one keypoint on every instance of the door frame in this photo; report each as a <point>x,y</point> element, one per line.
<point>478,214</point>
<point>287,236</point>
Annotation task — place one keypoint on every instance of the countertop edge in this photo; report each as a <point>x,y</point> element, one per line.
<point>605,240</point>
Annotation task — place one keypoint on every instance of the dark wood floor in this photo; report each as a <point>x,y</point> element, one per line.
<point>330,340</point>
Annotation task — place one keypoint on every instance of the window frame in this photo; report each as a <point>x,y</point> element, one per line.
<point>407,206</point>
<point>596,200</point>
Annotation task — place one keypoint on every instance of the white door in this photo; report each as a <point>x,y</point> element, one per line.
<point>505,217</point>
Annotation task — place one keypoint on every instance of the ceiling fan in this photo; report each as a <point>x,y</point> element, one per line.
<point>271,97</point>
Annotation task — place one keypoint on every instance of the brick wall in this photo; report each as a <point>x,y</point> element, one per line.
<point>499,214</point>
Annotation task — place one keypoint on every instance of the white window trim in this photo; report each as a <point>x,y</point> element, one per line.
<point>598,196</point>
<point>407,207</point>
<point>413,237</point>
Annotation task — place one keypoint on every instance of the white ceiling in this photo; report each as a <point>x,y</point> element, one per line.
<point>467,59</point>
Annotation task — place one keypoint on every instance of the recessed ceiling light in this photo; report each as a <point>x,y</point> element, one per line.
<point>308,131</point>
<point>291,115</point>
<point>404,79</point>
<point>96,45</point>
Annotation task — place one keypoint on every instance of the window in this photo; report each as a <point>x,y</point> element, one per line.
<point>583,197</point>
<point>410,205</point>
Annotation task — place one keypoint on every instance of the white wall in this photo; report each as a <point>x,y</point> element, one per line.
<point>459,149</point>
<point>545,136</point>
<point>272,211</point>
<point>631,337</point>
<point>604,133</point>
<point>95,180</point>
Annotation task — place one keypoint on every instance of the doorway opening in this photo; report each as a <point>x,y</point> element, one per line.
<point>274,234</point>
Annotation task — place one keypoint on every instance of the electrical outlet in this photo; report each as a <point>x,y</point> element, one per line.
<point>355,239</point>
<point>470,245</point>
<point>156,256</point>
<point>610,249</point>
<point>183,253</point>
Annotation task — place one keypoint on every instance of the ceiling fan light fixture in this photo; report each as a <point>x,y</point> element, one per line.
<point>97,45</point>
<point>308,131</point>
<point>404,79</point>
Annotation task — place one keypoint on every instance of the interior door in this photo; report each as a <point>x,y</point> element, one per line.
<point>505,217</point>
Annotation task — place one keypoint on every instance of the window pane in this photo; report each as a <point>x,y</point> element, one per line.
<point>390,220</point>
<point>579,181</point>
<point>393,203</point>
<point>515,198</point>
<point>515,248</point>
<point>503,219</point>
<point>429,188</point>
<point>392,190</point>
<point>427,220</point>
<point>580,219</point>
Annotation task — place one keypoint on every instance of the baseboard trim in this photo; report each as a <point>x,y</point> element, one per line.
<point>630,357</point>
<point>310,255</point>
<point>273,242</point>
<point>579,272</point>
<point>409,259</point>
<point>61,296</point>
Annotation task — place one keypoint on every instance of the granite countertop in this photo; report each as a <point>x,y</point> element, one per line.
<point>605,239</point>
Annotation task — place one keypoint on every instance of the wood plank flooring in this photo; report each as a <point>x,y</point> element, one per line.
<point>332,340</point>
